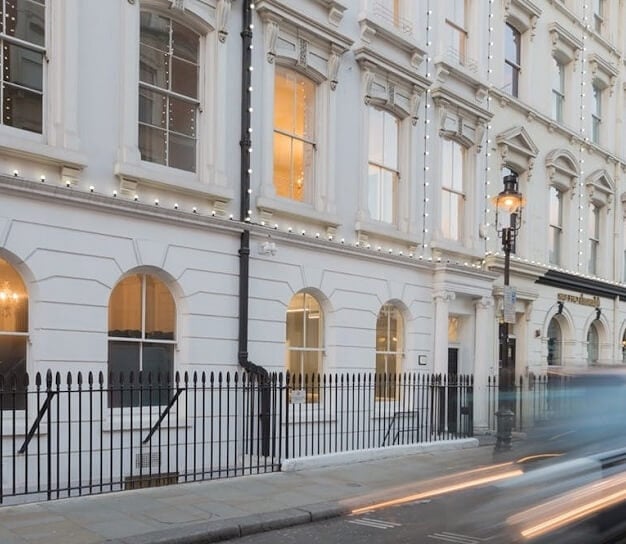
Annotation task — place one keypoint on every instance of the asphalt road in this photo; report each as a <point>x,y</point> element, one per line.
<point>465,517</point>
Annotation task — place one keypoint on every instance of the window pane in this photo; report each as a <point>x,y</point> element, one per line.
<point>390,158</point>
<point>508,79</point>
<point>125,308</point>
<point>22,109</point>
<point>376,135</point>
<point>12,356</point>
<point>305,108</point>
<point>312,322</point>
<point>555,243</point>
<point>295,321</point>
<point>155,31</point>
<point>158,359</point>
<point>295,365</point>
<point>152,144</point>
<point>184,78</point>
<point>554,343</point>
<point>152,108</point>
<point>450,215</point>
<point>184,43</point>
<point>311,363</point>
<point>555,207</point>
<point>25,20</point>
<point>154,67</point>
<point>373,195</point>
<point>13,300</point>
<point>512,44</point>
<point>182,117</point>
<point>182,152</point>
<point>386,370</point>
<point>13,370</point>
<point>282,165</point>
<point>388,196</point>
<point>160,310</point>
<point>123,359</point>
<point>23,66</point>
<point>284,113</point>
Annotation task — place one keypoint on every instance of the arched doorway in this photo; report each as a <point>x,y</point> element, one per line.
<point>555,343</point>
<point>593,344</point>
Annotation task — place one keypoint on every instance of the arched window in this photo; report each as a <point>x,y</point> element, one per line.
<point>554,343</point>
<point>13,328</point>
<point>168,92</point>
<point>389,350</point>
<point>593,344</point>
<point>624,348</point>
<point>294,135</point>
<point>304,336</point>
<point>142,322</point>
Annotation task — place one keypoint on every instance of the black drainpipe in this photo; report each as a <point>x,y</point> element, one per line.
<point>256,371</point>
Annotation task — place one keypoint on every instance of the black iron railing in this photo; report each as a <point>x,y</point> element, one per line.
<point>80,434</point>
<point>536,399</point>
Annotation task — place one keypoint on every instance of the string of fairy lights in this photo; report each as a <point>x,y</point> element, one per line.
<point>427,106</point>
<point>423,255</point>
<point>487,158</point>
<point>583,136</point>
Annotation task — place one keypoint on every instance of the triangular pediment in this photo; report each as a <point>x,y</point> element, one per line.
<point>601,180</point>
<point>518,140</point>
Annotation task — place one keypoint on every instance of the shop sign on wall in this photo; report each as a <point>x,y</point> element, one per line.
<point>510,296</point>
<point>579,299</point>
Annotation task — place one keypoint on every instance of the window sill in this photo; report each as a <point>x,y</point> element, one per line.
<point>456,249</point>
<point>31,146</point>
<point>172,179</point>
<point>297,210</point>
<point>385,230</point>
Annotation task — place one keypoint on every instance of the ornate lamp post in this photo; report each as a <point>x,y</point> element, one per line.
<point>509,203</point>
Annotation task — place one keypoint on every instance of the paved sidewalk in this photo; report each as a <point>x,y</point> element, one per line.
<point>221,509</point>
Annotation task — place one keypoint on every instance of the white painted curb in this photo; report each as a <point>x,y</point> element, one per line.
<point>373,454</point>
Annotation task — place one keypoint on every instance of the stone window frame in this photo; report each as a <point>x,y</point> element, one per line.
<point>209,19</point>
<point>562,174</point>
<point>296,40</point>
<point>59,143</point>
<point>395,89</point>
<point>600,190</point>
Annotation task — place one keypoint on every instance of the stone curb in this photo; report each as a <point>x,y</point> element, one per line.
<point>375,454</point>
<point>217,531</point>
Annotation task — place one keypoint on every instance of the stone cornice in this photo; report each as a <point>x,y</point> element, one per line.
<point>532,114</point>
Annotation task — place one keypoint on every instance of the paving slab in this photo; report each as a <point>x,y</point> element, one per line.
<point>201,512</point>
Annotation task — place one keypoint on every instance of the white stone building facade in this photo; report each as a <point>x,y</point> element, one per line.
<point>379,131</point>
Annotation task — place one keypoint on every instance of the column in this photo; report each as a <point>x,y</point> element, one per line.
<point>440,345</point>
<point>484,363</point>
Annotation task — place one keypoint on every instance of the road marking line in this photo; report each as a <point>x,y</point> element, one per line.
<point>376,523</point>
<point>457,538</point>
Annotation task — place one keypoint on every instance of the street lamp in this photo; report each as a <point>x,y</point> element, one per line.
<point>509,203</point>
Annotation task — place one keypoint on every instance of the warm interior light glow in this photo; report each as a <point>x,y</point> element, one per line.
<point>294,116</point>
